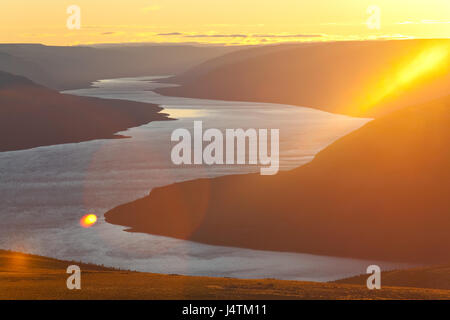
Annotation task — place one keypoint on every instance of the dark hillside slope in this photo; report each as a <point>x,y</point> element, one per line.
<point>381,192</point>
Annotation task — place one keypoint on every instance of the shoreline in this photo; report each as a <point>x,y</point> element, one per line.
<point>44,278</point>
<point>80,119</point>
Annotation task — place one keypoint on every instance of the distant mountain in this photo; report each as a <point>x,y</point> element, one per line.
<point>32,115</point>
<point>381,192</point>
<point>339,77</point>
<point>64,68</point>
<point>12,81</point>
<point>15,65</point>
<point>226,60</point>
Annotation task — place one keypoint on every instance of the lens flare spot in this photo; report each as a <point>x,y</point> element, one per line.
<point>88,220</point>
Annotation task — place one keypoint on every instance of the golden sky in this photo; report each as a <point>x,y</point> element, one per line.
<point>219,21</point>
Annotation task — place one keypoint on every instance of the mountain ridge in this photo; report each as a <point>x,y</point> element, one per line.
<point>307,75</point>
<point>32,115</point>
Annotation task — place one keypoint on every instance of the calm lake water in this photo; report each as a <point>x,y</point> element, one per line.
<point>45,191</point>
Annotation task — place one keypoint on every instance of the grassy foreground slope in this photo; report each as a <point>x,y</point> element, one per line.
<point>435,277</point>
<point>24,276</point>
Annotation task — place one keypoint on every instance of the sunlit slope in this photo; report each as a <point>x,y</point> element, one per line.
<point>382,192</point>
<point>359,78</point>
<point>24,276</point>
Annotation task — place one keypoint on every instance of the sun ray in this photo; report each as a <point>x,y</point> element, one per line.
<point>429,63</point>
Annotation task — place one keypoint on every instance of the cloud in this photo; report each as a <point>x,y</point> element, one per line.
<point>216,36</point>
<point>424,22</point>
<point>394,36</point>
<point>287,36</point>
<point>170,34</point>
<point>220,25</point>
<point>111,33</point>
<point>241,35</point>
<point>434,22</point>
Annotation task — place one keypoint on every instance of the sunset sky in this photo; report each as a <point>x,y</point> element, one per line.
<point>219,21</point>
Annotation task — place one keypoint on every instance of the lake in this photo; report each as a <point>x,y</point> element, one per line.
<point>45,191</point>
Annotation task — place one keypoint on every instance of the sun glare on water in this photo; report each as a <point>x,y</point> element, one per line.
<point>88,220</point>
